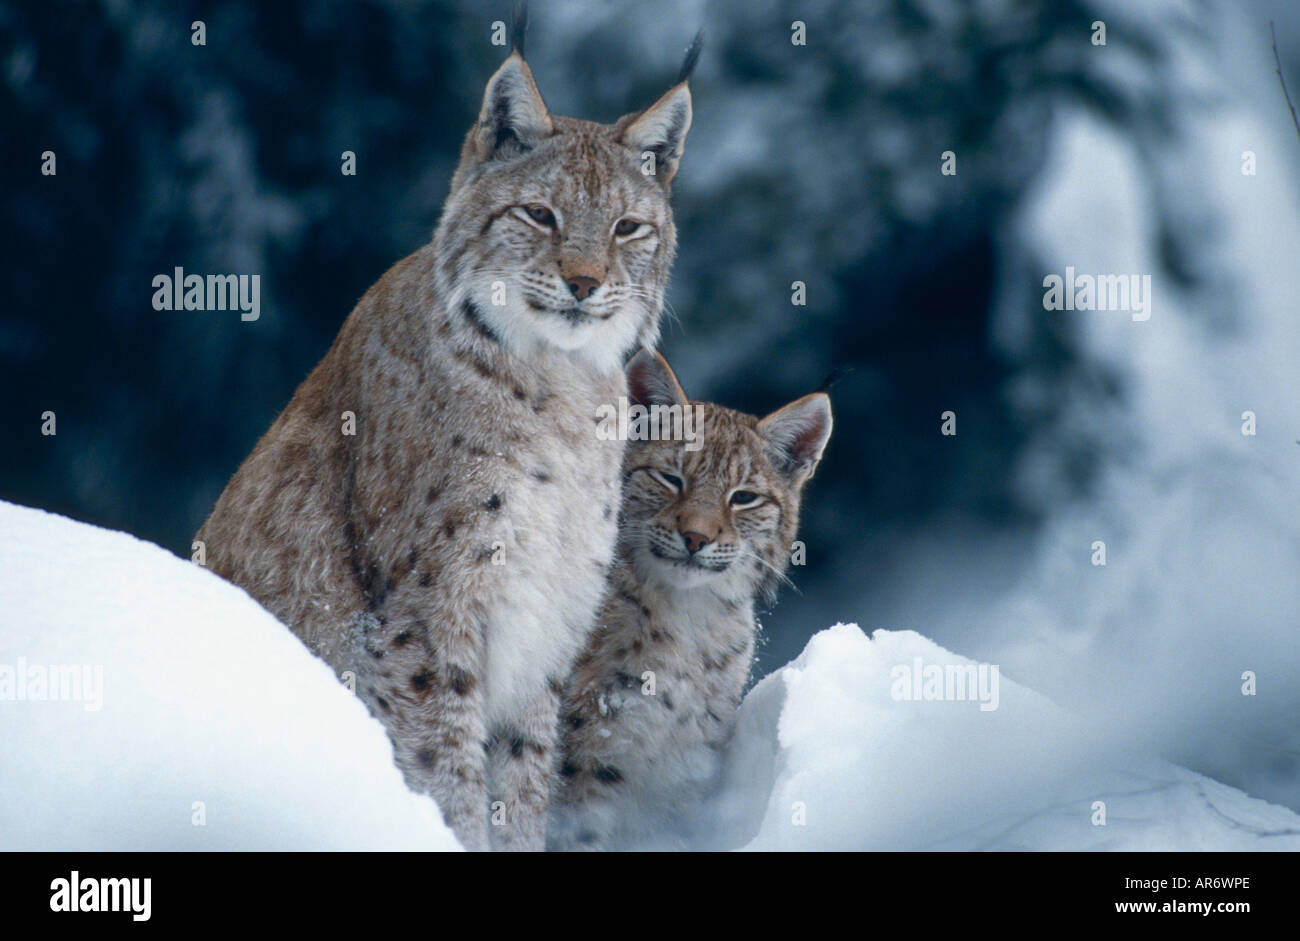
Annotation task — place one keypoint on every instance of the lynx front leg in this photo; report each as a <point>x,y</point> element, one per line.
<point>583,816</point>
<point>422,683</point>
<point>521,767</point>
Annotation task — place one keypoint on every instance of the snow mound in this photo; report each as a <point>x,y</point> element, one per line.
<point>829,756</point>
<point>201,723</point>
<point>195,720</point>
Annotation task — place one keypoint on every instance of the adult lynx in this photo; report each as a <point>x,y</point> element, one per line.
<point>703,530</point>
<point>448,539</point>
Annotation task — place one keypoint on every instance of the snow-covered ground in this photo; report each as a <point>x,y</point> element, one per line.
<point>205,723</point>
<point>831,754</point>
<point>199,703</point>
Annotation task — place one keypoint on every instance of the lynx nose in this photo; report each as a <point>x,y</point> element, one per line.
<point>695,541</point>
<point>581,285</point>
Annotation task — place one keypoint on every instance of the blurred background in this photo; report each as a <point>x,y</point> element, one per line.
<point>817,163</point>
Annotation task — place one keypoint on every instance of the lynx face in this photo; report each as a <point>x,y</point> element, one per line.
<point>725,515</point>
<point>559,232</point>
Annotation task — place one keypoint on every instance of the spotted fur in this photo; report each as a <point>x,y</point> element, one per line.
<point>652,699</point>
<point>452,552</point>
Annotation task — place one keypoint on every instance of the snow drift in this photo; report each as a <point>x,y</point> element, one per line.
<point>214,727</point>
<point>199,706</point>
<point>827,757</point>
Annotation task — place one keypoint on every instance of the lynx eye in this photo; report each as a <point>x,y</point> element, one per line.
<point>742,499</point>
<point>625,227</point>
<point>674,483</point>
<point>541,215</point>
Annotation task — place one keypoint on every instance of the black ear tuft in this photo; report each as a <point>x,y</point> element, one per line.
<point>692,57</point>
<point>833,377</point>
<point>518,26</point>
<point>513,117</point>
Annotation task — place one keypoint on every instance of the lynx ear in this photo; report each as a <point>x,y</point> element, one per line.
<point>660,130</point>
<point>513,117</point>
<point>797,434</point>
<point>650,381</point>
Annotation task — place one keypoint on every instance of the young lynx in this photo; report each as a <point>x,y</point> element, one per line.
<point>434,511</point>
<point>653,697</point>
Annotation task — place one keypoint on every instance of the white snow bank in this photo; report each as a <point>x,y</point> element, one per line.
<point>196,694</point>
<point>205,697</point>
<point>824,741</point>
